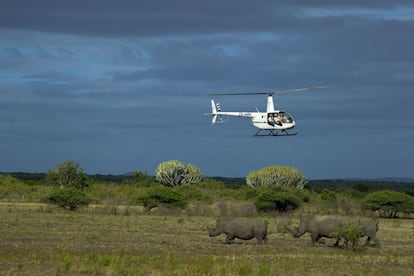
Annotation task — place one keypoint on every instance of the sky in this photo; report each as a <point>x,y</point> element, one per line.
<point>121,86</point>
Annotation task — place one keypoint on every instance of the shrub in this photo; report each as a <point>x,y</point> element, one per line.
<point>350,233</point>
<point>159,196</point>
<point>13,189</point>
<point>328,195</point>
<point>142,179</point>
<point>194,193</point>
<point>273,200</point>
<point>69,198</point>
<point>118,194</point>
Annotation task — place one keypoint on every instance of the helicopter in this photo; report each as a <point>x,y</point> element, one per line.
<point>274,122</point>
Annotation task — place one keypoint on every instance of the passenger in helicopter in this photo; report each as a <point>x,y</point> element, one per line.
<point>277,119</point>
<point>282,117</point>
<point>274,118</point>
<point>270,120</point>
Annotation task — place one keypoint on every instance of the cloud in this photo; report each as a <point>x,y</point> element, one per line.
<point>148,18</point>
<point>98,81</point>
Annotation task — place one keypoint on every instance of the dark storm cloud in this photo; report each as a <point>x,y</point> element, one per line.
<point>105,17</point>
<point>98,81</point>
<point>132,17</point>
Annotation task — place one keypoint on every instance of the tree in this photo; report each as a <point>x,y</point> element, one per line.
<point>389,203</point>
<point>68,174</point>
<point>277,176</point>
<point>174,173</point>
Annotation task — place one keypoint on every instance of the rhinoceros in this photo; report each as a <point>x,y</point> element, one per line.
<point>324,225</point>
<point>244,229</point>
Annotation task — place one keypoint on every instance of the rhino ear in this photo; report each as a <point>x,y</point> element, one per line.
<point>217,219</point>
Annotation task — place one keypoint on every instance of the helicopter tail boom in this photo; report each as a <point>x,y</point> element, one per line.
<point>216,112</point>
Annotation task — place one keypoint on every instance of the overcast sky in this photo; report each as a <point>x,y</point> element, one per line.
<point>121,86</point>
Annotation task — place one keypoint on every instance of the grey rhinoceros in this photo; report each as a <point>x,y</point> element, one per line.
<point>324,225</point>
<point>244,229</point>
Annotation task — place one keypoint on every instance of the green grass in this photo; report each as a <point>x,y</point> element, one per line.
<point>41,240</point>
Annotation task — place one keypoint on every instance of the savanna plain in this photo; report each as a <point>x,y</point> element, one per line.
<point>37,239</point>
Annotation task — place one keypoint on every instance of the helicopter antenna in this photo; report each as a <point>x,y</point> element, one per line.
<point>272,92</point>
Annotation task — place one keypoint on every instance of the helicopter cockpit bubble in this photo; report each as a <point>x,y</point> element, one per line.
<point>288,117</point>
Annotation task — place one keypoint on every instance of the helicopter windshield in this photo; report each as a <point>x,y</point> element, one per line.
<point>279,118</point>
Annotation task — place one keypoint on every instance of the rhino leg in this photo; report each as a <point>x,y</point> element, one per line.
<point>229,239</point>
<point>377,242</point>
<point>367,241</point>
<point>261,240</point>
<point>345,242</point>
<point>314,238</point>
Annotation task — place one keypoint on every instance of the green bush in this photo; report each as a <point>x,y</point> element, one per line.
<point>243,193</point>
<point>328,195</point>
<point>161,196</point>
<point>350,233</point>
<point>69,198</point>
<point>118,194</point>
<point>211,184</point>
<point>12,189</point>
<point>282,200</point>
<point>350,193</point>
<point>193,193</point>
<point>143,179</point>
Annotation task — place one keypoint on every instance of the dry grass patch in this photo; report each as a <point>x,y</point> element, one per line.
<point>41,240</point>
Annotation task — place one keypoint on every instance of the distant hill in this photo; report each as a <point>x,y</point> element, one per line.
<point>385,179</point>
<point>363,185</point>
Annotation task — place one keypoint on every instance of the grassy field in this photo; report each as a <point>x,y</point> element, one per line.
<point>40,240</point>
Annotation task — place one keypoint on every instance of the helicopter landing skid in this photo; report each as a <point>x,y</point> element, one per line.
<point>273,133</point>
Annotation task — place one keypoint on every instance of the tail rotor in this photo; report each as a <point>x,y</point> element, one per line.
<point>215,110</point>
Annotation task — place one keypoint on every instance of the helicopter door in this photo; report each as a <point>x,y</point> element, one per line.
<point>275,118</point>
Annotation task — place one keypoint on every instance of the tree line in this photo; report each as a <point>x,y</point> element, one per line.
<point>178,185</point>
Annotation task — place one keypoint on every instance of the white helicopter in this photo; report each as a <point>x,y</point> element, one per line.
<point>276,122</point>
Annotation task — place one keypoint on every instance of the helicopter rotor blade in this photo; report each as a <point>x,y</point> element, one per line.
<point>299,89</point>
<point>238,94</point>
<point>273,92</point>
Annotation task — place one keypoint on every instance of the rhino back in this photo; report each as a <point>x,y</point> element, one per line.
<point>329,224</point>
<point>369,226</point>
<point>245,228</point>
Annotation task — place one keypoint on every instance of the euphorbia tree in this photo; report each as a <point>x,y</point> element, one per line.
<point>174,173</point>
